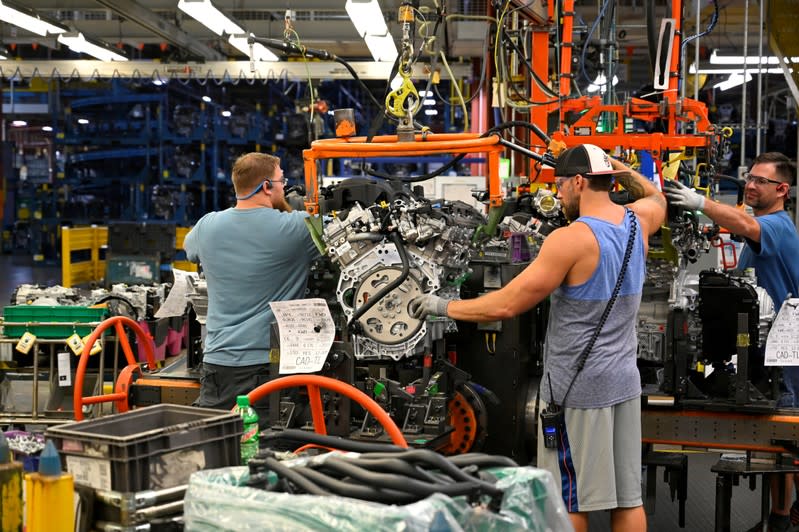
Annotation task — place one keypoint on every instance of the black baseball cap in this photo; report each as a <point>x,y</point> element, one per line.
<point>587,160</point>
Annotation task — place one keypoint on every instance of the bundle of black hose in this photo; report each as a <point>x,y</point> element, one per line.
<point>304,437</point>
<point>259,480</point>
<point>294,477</point>
<point>393,465</point>
<point>400,477</point>
<point>257,462</point>
<point>431,459</point>
<point>350,468</point>
<point>361,491</point>
<point>482,460</point>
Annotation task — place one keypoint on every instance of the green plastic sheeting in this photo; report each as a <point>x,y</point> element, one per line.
<point>218,500</point>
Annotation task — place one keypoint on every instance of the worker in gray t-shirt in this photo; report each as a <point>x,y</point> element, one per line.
<point>254,253</point>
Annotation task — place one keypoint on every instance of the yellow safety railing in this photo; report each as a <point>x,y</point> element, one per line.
<point>180,234</point>
<point>80,254</point>
<point>76,268</point>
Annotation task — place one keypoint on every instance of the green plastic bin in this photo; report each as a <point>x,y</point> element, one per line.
<point>50,314</point>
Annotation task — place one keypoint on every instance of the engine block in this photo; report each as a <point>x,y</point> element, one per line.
<point>388,254</point>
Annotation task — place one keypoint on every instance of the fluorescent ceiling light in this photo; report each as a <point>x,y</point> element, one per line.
<point>78,43</point>
<point>716,59</point>
<point>47,128</point>
<point>430,112</point>
<point>207,99</point>
<point>382,47</point>
<point>733,81</point>
<point>367,17</point>
<point>428,101</point>
<point>773,70</point>
<point>259,51</point>
<point>601,83</point>
<point>226,114</point>
<point>206,14</point>
<point>32,23</point>
<point>19,123</point>
<point>83,121</point>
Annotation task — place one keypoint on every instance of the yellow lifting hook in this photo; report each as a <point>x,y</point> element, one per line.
<point>405,99</point>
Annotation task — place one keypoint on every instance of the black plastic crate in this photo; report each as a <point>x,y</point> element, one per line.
<point>141,238</point>
<point>155,447</point>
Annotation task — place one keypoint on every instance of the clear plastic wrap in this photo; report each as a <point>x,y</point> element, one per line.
<point>218,500</point>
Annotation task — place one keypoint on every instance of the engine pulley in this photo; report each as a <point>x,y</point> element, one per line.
<point>388,321</point>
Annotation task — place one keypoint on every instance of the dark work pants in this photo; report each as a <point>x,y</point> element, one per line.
<point>219,386</point>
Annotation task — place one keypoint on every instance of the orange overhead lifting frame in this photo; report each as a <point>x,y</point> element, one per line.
<point>388,146</point>
<point>673,110</point>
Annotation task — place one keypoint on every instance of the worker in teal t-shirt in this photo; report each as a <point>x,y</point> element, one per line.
<point>252,254</point>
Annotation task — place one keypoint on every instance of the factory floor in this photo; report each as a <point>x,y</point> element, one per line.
<point>700,506</point>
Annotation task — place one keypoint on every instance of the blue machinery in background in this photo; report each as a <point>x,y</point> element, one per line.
<point>132,150</point>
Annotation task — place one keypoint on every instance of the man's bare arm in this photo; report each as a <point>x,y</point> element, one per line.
<point>649,202</point>
<point>734,220</point>
<point>557,256</point>
<point>633,182</point>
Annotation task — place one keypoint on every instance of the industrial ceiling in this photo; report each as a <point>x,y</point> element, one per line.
<point>162,42</point>
<point>157,29</point>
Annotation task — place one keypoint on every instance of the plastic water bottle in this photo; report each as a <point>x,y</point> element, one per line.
<point>249,440</point>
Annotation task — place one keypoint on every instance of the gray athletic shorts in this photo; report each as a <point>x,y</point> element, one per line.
<point>597,463</point>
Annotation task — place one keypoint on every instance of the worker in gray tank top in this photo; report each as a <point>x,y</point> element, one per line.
<point>592,441</point>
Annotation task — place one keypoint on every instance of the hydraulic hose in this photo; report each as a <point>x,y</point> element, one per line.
<point>293,477</point>
<point>394,465</point>
<point>712,24</point>
<point>389,478</point>
<point>291,48</point>
<point>543,86</point>
<point>305,437</point>
<point>400,483</point>
<point>356,491</point>
<point>431,459</point>
<point>524,151</point>
<point>482,460</point>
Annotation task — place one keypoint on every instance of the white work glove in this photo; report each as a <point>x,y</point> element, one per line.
<point>422,306</point>
<point>681,196</point>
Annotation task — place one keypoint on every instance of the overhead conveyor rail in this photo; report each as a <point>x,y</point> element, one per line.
<point>220,71</point>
